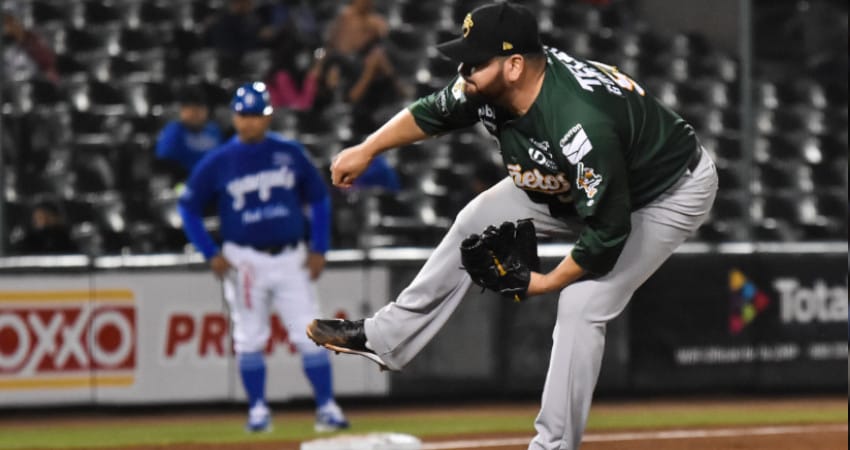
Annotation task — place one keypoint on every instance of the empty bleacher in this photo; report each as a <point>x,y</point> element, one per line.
<point>88,140</point>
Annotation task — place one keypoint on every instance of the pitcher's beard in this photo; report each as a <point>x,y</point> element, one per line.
<point>494,93</point>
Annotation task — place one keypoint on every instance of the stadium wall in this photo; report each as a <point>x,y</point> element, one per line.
<point>153,329</point>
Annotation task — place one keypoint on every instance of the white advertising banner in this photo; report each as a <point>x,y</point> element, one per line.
<point>157,336</point>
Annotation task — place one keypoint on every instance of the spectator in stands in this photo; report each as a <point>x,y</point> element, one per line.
<point>358,60</point>
<point>291,19</point>
<point>47,234</point>
<point>235,30</point>
<point>379,175</point>
<point>183,142</point>
<point>290,86</point>
<point>25,53</point>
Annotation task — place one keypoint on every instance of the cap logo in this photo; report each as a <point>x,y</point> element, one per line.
<point>507,45</point>
<point>467,25</point>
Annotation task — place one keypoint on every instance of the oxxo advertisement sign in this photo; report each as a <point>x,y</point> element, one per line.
<point>67,339</point>
<point>148,337</point>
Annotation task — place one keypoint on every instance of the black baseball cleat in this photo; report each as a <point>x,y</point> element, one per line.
<point>343,336</point>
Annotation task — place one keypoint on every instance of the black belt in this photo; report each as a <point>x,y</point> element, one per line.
<point>275,249</point>
<point>695,157</point>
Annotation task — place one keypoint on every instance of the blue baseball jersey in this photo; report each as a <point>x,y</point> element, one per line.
<point>261,190</point>
<point>178,143</point>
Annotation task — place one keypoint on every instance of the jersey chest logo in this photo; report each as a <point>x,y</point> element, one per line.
<point>534,180</point>
<point>262,183</point>
<point>540,154</point>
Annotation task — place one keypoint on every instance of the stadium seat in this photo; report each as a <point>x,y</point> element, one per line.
<point>728,148</point>
<point>830,175</point>
<point>25,96</point>
<point>86,123</point>
<point>79,210</point>
<point>773,176</point>
<point>256,65</point>
<point>149,98</point>
<point>731,178</point>
<point>470,149</point>
<point>186,41</point>
<point>136,40</point>
<point>461,7</point>
<point>70,68</point>
<point>406,45</point>
<point>28,184</point>
<point>554,37</point>
<point>689,93</point>
<point>102,13</point>
<point>420,13</point>
<point>820,149</point>
<point>441,67</point>
<point>121,69</point>
<point>46,12</point>
<point>156,13</point>
<point>773,121</point>
<point>833,205</point>
<point>16,216</point>
<point>728,206</point>
<point>204,10</point>
<point>722,231</point>
<point>569,15</point>
<point>772,230</point>
<point>106,98</point>
<point>203,63</point>
<point>119,59</point>
<point>93,168</point>
<point>822,217</point>
<point>778,148</point>
<point>83,42</point>
<point>603,44</point>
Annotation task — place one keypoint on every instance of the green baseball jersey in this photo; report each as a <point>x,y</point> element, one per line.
<point>593,138</point>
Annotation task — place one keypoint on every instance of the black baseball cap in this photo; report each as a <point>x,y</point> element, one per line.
<point>496,29</point>
<point>192,95</point>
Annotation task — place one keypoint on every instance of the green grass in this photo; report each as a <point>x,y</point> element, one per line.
<point>151,432</point>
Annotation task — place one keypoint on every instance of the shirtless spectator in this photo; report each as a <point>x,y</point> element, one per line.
<point>355,51</point>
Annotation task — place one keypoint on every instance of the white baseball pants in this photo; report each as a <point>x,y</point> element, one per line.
<point>260,282</point>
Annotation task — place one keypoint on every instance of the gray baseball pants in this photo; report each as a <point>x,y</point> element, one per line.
<point>401,329</point>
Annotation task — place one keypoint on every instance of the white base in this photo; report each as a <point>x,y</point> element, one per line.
<point>374,441</point>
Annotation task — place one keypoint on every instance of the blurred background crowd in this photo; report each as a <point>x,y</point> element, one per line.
<point>107,104</point>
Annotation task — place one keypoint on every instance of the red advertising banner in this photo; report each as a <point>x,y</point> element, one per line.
<point>67,338</point>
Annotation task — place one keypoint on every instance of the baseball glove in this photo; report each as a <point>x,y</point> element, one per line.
<point>502,259</point>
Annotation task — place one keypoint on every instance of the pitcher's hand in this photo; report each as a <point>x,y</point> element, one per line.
<point>348,165</point>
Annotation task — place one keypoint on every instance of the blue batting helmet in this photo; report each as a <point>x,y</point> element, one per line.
<point>252,99</point>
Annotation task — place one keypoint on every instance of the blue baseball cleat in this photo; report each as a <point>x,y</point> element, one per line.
<point>259,419</point>
<point>330,418</point>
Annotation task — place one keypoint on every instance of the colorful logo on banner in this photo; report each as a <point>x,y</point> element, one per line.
<point>67,339</point>
<point>746,303</point>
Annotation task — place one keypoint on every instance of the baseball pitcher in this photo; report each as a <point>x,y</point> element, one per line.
<point>577,137</point>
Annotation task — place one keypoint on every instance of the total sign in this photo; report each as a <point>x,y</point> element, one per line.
<point>818,303</point>
<point>67,339</point>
